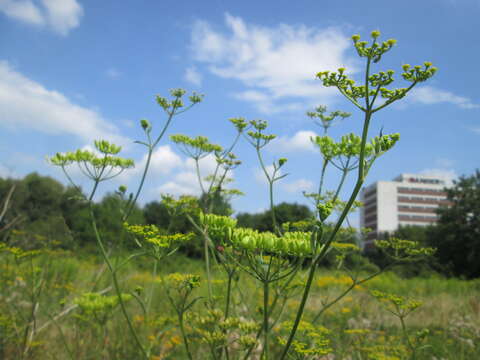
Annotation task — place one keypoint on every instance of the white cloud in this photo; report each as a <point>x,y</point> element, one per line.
<point>447,174</point>
<point>23,10</point>
<point>444,162</point>
<point>186,182</point>
<point>27,104</point>
<point>291,187</point>
<point>430,95</point>
<point>298,186</point>
<point>113,73</point>
<point>7,172</point>
<point>300,141</point>
<point>260,176</point>
<point>163,162</point>
<point>272,63</point>
<point>207,165</point>
<point>193,76</point>
<point>60,15</point>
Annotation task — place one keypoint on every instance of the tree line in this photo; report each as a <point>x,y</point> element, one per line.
<point>39,210</point>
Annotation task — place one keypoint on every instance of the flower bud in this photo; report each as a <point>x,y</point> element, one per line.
<point>177,92</point>
<point>324,210</point>
<point>145,124</point>
<point>391,42</point>
<point>375,34</point>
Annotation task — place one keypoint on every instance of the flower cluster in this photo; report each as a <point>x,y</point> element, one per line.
<point>239,123</point>
<point>398,305</point>
<point>182,282</point>
<point>417,73</point>
<point>376,50</point>
<point>311,341</point>
<point>291,243</point>
<point>176,103</point>
<point>404,250</point>
<point>96,167</point>
<point>99,306</point>
<point>326,120</point>
<point>197,147</point>
<point>258,138</point>
<point>349,146</point>
<point>219,227</point>
<point>154,241</point>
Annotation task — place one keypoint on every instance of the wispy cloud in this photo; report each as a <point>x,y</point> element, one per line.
<point>27,104</point>
<point>272,63</point>
<point>447,174</point>
<point>297,186</point>
<point>163,162</point>
<point>300,141</point>
<point>431,95</point>
<point>185,182</point>
<point>113,73</point>
<point>59,15</point>
<point>7,172</point>
<point>193,76</point>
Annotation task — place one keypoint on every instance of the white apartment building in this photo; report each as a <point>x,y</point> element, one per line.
<point>409,199</point>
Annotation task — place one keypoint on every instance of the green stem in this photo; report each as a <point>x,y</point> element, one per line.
<point>266,327</point>
<point>199,176</point>
<point>207,267</point>
<point>229,293</point>
<point>326,245</point>
<point>351,287</point>
<point>340,185</point>
<point>301,307</point>
<point>407,338</point>
<point>184,335</point>
<point>270,180</point>
<point>147,164</point>
<point>152,287</point>
<point>115,283</point>
<point>322,176</point>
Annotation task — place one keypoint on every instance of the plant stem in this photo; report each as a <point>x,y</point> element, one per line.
<point>229,291</point>
<point>270,180</point>
<point>115,281</point>
<point>147,164</point>
<point>326,245</point>
<point>266,327</point>
<point>322,176</point>
<point>407,338</point>
<point>184,335</point>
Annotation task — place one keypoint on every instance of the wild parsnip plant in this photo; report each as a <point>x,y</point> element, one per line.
<point>254,300</point>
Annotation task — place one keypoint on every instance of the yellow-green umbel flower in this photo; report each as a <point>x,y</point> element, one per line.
<point>218,227</point>
<point>197,147</point>
<point>156,242</point>
<point>291,243</point>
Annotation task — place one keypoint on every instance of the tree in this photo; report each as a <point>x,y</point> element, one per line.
<point>415,233</point>
<point>35,209</point>
<point>457,234</point>
<point>284,212</point>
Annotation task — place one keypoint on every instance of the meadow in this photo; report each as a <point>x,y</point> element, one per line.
<point>48,314</point>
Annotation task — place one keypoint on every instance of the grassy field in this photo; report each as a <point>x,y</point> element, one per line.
<point>45,314</point>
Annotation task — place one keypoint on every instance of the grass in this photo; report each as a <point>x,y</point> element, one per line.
<point>41,295</point>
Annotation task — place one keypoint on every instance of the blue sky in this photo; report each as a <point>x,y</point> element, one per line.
<point>72,71</point>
